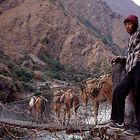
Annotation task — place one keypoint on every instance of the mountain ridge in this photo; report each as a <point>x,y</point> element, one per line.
<point>124,7</point>
<point>71,39</point>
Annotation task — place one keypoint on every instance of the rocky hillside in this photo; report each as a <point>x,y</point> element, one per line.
<point>36,26</point>
<point>98,16</point>
<point>82,34</point>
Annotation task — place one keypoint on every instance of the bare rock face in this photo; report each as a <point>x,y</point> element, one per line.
<point>99,16</point>
<point>26,26</point>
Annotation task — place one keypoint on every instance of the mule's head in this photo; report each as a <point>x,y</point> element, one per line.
<point>31,104</point>
<point>32,101</point>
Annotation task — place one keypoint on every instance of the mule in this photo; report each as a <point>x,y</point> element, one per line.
<point>70,101</point>
<point>97,90</point>
<point>56,102</point>
<point>37,107</point>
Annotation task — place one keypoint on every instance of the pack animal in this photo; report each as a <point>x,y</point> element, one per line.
<point>69,100</point>
<point>97,90</point>
<point>37,107</point>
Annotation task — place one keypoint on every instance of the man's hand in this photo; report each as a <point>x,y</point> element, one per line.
<point>118,60</point>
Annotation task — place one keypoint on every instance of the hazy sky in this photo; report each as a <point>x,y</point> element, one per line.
<point>137,2</point>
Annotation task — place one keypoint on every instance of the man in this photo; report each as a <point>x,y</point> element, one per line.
<point>130,81</point>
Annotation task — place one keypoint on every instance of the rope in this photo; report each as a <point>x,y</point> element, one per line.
<point>12,135</point>
<point>23,100</point>
<point>19,101</point>
<point>80,129</point>
<point>12,110</point>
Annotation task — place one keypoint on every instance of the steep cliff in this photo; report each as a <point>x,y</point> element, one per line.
<point>33,26</point>
<point>107,24</point>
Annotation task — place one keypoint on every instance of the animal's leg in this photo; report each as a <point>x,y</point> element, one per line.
<point>86,98</point>
<point>68,109</point>
<point>58,113</point>
<point>86,101</point>
<point>64,119</point>
<point>73,108</point>
<point>30,112</point>
<point>32,117</point>
<point>33,114</point>
<point>68,116</point>
<point>40,117</point>
<point>36,117</point>
<point>96,107</point>
<point>58,110</point>
<point>44,116</point>
<point>76,106</point>
<point>86,106</point>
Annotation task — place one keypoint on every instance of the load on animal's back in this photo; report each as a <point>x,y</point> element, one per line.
<point>96,87</point>
<point>56,102</point>
<point>105,86</point>
<point>68,100</point>
<point>97,90</point>
<point>92,86</point>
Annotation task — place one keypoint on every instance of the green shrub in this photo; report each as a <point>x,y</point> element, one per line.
<point>104,40</point>
<point>3,97</point>
<point>23,74</point>
<point>53,67</point>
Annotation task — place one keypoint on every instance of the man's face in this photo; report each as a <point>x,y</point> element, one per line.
<point>129,26</point>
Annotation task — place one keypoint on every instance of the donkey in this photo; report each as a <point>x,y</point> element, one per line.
<point>97,90</point>
<point>37,107</point>
<point>69,100</point>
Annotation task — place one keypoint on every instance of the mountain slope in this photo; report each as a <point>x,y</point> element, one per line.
<point>124,7</point>
<point>36,25</point>
<point>98,15</point>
